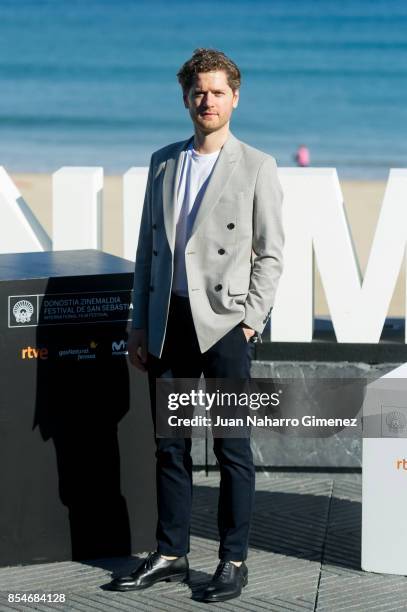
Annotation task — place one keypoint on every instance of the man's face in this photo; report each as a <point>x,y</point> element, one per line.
<point>211,101</point>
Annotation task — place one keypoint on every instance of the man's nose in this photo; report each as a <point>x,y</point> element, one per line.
<point>209,98</point>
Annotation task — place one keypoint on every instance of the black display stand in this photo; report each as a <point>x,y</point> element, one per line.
<point>77,470</point>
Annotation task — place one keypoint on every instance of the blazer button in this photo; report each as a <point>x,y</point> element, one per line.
<point>151,288</point>
<point>230,225</point>
<point>218,287</point>
<point>221,251</point>
<point>155,253</point>
<point>154,226</point>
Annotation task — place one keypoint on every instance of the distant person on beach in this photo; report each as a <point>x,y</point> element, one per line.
<point>208,263</point>
<point>302,156</point>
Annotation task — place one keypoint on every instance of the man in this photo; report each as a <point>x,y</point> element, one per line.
<point>208,262</point>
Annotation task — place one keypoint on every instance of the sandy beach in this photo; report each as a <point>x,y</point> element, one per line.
<point>362,202</point>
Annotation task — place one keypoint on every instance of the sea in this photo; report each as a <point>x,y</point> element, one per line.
<point>94,82</point>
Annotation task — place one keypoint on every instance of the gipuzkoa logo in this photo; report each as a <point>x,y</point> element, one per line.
<point>23,311</point>
<point>80,353</point>
<point>119,348</point>
<point>396,421</point>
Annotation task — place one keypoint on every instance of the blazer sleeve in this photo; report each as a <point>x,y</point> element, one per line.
<point>267,246</point>
<point>142,270</point>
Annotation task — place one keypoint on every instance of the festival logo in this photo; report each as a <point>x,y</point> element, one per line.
<point>23,310</point>
<point>394,422</point>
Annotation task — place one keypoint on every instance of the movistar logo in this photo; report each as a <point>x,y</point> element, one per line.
<point>119,348</point>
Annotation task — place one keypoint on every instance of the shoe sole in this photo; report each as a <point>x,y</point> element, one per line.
<point>177,578</point>
<point>174,578</point>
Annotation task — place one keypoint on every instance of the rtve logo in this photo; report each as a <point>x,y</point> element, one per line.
<point>31,352</point>
<point>401,464</point>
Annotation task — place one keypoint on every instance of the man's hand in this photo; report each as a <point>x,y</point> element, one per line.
<point>137,348</point>
<point>248,331</point>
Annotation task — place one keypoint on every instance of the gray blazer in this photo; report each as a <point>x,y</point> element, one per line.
<point>233,256</point>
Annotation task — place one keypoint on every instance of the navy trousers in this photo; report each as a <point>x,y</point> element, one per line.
<point>229,357</point>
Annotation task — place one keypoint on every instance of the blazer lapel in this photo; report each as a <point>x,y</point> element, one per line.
<point>170,182</point>
<point>222,171</point>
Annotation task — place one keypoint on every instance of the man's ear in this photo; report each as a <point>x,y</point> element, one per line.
<point>236,98</point>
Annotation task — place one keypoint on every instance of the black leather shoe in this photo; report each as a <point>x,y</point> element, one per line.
<point>153,569</point>
<point>227,582</point>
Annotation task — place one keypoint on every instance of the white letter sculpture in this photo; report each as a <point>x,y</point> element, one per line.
<point>77,208</point>
<point>315,222</point>
<point>20,230</point>
<point>315,225</point>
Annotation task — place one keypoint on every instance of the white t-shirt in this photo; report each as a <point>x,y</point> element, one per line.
<point>194,177</point>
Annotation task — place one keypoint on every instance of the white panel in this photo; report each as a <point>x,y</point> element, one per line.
<point>384,474</point>
<point>77,208</point>
<point>384,499</point>
<point>134,187</point>
<point>21,232</point>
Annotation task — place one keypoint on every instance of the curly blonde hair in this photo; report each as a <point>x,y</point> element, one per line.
<point>208,60</point>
